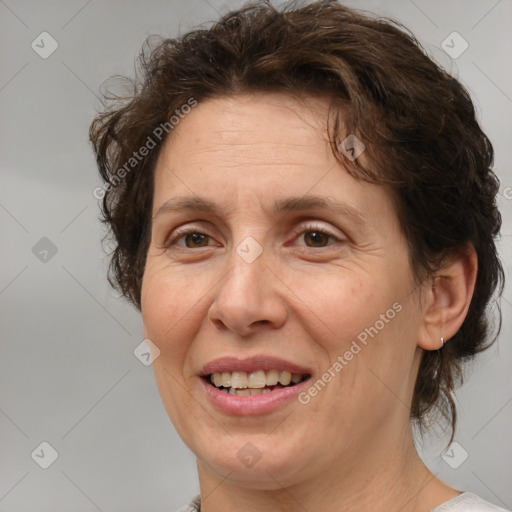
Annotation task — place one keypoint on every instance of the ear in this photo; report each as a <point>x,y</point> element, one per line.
<point>446,300</point>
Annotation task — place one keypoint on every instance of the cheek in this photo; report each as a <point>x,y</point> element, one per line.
<point>367,320</point>
<point>335,306</point>
<point>172,311</point>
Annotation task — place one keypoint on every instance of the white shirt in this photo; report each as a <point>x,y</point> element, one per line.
<point>465,502</point>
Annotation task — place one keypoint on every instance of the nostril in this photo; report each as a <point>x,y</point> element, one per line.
<point>219,324</point>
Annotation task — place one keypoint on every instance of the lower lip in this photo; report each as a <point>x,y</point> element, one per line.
<point>252,404</point>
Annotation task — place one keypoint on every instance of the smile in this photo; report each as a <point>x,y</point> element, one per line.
<point>254,385</point>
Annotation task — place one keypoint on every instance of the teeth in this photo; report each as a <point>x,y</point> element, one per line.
<point>239,380</point>
<point>296,378</point>
<point>285,378</point>
<point>246,392</point>
<point>272,377</point>
<point>226,379</point>
<point>254,382</point>
<point>257,379</point>
<point>260,391</point>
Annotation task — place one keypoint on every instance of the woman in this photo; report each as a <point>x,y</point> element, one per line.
<point>303,209</point>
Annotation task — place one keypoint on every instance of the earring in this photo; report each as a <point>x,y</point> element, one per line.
<point>442,343</point>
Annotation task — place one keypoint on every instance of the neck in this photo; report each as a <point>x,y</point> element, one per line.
<point>379,478</point>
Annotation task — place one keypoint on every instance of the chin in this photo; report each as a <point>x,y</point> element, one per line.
<point>258,462</point>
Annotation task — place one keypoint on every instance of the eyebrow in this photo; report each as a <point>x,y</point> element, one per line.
<point>281,206</point>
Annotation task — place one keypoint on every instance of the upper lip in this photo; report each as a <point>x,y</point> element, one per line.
<point>251,364</point>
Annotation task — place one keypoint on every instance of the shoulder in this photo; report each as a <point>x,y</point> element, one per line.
<point>468,502</point>
<point>465,502</point>
<point>194,505</point>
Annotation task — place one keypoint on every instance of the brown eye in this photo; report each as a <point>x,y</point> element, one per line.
<point>316,238</point>
<point>195,240</point>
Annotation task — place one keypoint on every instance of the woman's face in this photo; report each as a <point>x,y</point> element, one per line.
<point>267,257</point>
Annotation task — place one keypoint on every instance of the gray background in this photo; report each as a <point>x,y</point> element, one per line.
<point>68,375</point>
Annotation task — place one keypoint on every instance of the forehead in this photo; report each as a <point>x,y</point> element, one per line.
<point>237,125</point>
<point>254,151</point>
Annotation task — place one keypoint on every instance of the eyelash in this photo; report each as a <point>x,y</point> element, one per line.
<point>298,232</point>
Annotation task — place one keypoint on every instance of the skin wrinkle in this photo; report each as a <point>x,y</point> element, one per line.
<point>351,227</point>
<point>264,100</point>
<point>306,305</point>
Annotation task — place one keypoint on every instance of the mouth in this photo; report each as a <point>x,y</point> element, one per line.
<point>259,382</point>
<point>252,386</point>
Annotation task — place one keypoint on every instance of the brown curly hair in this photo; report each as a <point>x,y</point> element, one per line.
<point>417,122</point>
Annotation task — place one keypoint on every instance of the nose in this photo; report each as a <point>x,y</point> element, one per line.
<point>248,298</point>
